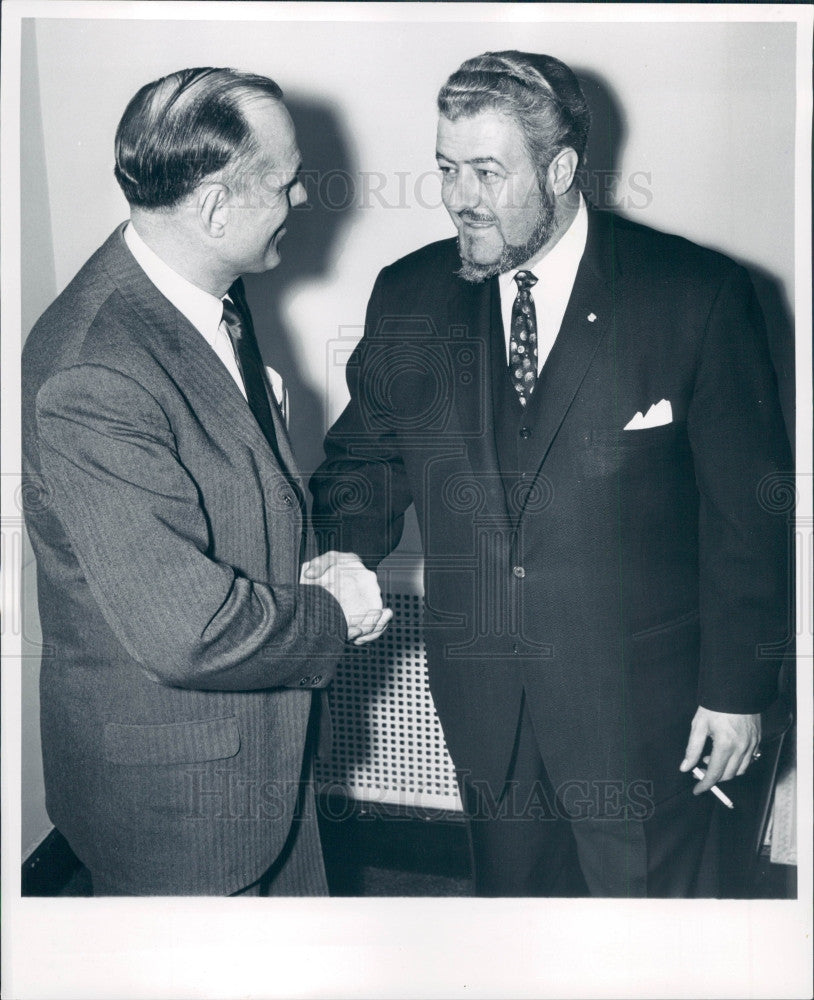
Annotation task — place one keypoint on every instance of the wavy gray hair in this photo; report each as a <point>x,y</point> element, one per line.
<point>539,92</point>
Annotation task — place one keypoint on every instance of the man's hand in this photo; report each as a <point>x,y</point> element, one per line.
<point>734,739</point>
<point>356,589</point>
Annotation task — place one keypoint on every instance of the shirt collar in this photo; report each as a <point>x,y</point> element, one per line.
<point>563,258</point>
<point>203,310</point>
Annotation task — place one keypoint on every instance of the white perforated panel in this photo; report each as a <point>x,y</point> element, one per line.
<point>388,744</point>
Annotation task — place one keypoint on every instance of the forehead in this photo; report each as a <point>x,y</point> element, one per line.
<point>487,135</point>
<point>274,132</point>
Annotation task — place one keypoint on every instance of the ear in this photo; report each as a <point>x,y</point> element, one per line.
<point>213,209</point>
<point>562,170</point>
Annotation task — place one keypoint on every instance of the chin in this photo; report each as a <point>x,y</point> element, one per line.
<point>271,260</point>
<point>477,262</point>
<point>475,272</point>
<point>478,250</point>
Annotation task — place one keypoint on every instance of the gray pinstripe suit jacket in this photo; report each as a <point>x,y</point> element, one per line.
<point>181,652</point>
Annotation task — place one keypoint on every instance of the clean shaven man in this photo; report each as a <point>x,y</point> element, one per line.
<point>169,532</point>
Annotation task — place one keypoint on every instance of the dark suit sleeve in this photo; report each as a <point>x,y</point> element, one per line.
<point>361,490</point>
<point>739,446</point>
<point>134,519</point>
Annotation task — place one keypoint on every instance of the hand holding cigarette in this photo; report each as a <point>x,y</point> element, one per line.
<point>735,739</point>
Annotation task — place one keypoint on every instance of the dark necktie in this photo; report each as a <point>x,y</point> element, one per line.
<point>251,368</point>
<point>523,338</point>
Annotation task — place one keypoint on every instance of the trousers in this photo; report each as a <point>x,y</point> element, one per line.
<point>525,842</point>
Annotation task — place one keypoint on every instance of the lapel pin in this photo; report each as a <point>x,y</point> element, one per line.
<point>591,317</point>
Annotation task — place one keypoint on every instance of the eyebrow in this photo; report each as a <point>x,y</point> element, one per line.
<point>475,159</point>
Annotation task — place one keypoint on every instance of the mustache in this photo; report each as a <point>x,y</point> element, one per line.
<point>474,217</point>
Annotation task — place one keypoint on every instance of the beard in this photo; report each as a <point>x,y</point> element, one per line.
<point>512,255</point>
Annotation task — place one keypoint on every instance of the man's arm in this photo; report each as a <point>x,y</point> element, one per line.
<point>361,490</point>
<point>738,438</point>
<point>135,523</point>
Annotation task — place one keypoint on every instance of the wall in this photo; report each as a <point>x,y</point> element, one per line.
<point>39,288</point>
<point>695,123</point>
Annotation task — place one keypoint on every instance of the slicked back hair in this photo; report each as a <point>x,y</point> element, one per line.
<point>183,128</point>
<point>539,92</point>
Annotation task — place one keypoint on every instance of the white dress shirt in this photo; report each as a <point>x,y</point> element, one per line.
<point>202,309</point>
<point>555,274</point>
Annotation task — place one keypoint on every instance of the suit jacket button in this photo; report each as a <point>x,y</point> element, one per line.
<point>305,681</point>
<point>525,432</point>
<point>317,678</point>
<point>519,572</point>
<point>287,500</point>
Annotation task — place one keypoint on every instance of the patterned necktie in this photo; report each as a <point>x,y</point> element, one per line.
<point>523,338</point>
<point>251,368</point>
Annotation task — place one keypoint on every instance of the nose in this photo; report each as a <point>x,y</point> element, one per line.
<point>297,195</point>
<point>461,191</point>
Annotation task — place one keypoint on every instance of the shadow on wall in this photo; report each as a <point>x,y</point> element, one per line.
<point>606,189</point>
<point>37,270</point>
<point>600,180</point>
<point>308,254</point>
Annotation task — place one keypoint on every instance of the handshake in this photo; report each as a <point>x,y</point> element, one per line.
<point>356,589</point>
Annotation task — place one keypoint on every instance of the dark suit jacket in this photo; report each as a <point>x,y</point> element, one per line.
<point>182,652</point>
<point>636,573</point>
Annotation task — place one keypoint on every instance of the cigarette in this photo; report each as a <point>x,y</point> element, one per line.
<point>716,791</point>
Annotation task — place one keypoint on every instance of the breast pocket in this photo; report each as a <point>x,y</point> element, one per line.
<point>635,455</point>
<point>649,437</point>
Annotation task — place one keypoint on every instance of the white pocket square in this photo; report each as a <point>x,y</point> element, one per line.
<point>658,415</point>
<point>275,381</point>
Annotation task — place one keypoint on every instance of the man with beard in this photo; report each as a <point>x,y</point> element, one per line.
<point>582,411</point>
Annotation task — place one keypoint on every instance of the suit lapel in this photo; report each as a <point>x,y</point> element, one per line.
<point>286,449</point>
<point>284,446</point>
<point>186,356</point>
<point>588,318</point>
<point>470,314</point>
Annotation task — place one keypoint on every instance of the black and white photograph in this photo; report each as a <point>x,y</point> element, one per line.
<point>406,500</point>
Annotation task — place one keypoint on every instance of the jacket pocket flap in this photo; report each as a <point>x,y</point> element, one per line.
<point>171,743</point>
<point>669,637</point>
